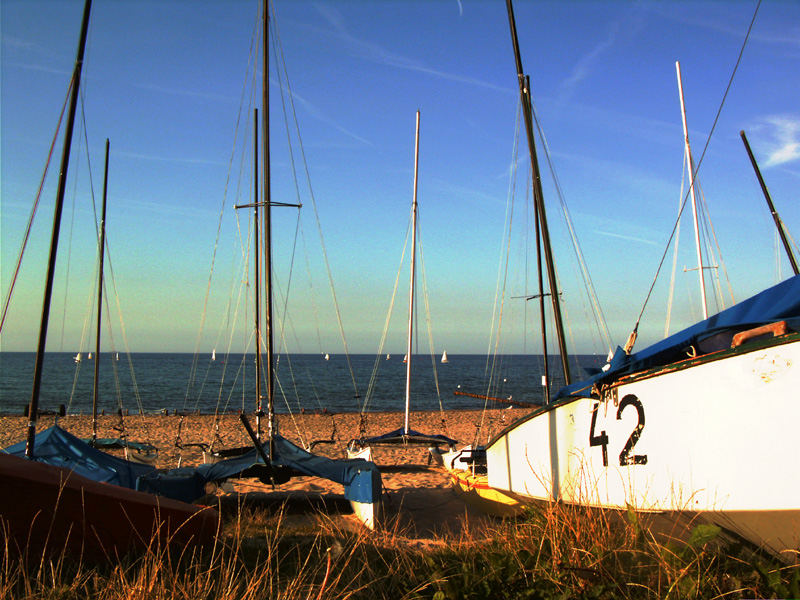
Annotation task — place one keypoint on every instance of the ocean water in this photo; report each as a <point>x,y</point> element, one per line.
<point>152,382</point>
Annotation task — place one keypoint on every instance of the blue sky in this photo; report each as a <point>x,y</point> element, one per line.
<point>168,82</point>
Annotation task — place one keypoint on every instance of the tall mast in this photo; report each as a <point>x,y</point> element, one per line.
<point>267,235</point>
<point>538,198</point>
<point>102,249</point>
<point>542,318</point>
<point>256,274</point>
<point>33,408</point>
<point>771,206</point>
<point>411,285</point>
<point>700,268</point>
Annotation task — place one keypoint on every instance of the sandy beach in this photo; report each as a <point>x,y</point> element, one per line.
<point>418,499</point>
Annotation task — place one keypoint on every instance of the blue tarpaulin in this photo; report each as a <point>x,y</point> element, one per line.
<point>407,437</point>
<point>55,446</point>
<point>59,448</point>
<point>778,303</point>
<point>361,479</point>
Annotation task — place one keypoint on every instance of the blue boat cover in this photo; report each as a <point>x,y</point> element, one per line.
<point>59,448</point>
<point>410,436</point>
<point>778,303</point>
<point>55,446</point>
<point>361,479</point>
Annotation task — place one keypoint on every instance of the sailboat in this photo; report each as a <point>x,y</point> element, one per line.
<point>444,358</point>
<point>68,502</point>
<point>273,457</point>
<point>362,447</point>
<point>138,451</point>
<point>655,430</point>
<point>77,358</point>
<point>214,354</point>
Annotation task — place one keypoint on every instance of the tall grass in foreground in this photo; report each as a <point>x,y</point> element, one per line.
<point>554,551</point>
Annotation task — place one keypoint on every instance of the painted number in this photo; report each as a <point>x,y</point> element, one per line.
<point>598,440</point>
<point>625,457</point>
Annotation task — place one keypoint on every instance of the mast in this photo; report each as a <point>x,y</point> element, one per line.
<point>102,248</point>
<point>267,236</point>
<point>538,198</point>
<point>256,275</point>
<point>771,206</point>
<point>33,408</point>
<point>411,285</point>
<point>700,268</point>
<point>543,320</point>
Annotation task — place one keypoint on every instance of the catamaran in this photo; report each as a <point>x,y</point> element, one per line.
<point>88,497</point>
<point>677,429</point>
<point>362,447</point>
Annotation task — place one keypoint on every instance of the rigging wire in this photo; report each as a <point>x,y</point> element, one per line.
<point>671,294</point>
<point>591,293</point>
<point>490,369</point>
<point>35,206</point>
<point>632,339</point>
<point>426,300</point>
<point>317,218</point>
<point>251,61</point>
<point>385,332</point>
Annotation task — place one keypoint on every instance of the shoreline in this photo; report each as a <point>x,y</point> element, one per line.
<point>180,437</point>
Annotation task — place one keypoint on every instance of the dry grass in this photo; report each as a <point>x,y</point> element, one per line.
<point>554,551</point>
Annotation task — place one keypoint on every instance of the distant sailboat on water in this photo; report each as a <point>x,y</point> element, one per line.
<point>90,356</point>
<point>388,356</point>
<point>444,358</point>
<point>327,356</point>
<point>214,354</point>
<point>362,447</point>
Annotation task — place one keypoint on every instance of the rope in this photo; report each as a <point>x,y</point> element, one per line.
<point>490,367</point>
<point>675,252</point>
<point>34,209</point>
<point>429,328</point>
<point>317,219</point>
<point>384,333</point>
<point>591,293</point>
<point>193,369</point>
<point>699,163</point>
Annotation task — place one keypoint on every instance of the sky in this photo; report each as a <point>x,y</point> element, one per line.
<point>171,85</point>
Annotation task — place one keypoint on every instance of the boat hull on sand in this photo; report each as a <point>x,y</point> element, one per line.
<point>709,436</point>
<point>47,509</point>
<point>475,490</point>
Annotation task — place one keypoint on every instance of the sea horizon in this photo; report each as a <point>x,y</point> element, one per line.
<point>158,382</point>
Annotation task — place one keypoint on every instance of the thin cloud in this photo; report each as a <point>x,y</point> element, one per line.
<point>170,159</point>
<point>312,110</point>
<point>166,208</point>
<point>628,238</point>
<point>181,92</point>
<point>586,63</point>
<point>35,67</point>
<point>783,133</point>
<point>377,54</point>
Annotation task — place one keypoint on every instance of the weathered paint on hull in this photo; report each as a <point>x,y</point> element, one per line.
<point>47,509</point>
<point>715,436</point>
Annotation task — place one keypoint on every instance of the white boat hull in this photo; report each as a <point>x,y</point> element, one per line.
<point>711,437</point>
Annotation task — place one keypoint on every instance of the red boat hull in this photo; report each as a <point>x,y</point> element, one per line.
<point>53,510</point>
